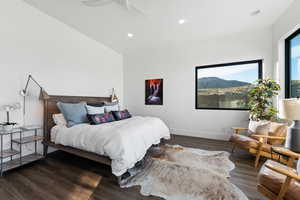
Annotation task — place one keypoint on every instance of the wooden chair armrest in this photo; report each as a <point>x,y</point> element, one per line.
<point>289,173</point>
<point>269,137</point>
<point>287,152</point>
<point>237,130</point>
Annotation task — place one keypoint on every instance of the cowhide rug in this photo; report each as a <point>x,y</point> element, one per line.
<point>180,173</point>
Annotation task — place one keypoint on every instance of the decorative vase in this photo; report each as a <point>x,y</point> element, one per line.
<point>292,141</point>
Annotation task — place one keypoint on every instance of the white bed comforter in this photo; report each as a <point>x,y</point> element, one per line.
<point>125,142</point>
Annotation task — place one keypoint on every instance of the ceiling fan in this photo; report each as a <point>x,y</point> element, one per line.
<point>124,3</point>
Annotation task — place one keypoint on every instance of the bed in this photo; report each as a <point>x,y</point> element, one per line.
<point>110,143</point>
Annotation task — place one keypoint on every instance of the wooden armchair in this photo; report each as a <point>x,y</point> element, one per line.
<point>277,181</point>
<point>256,144</point>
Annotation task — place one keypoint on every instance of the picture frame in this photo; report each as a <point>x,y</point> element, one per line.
<point>154,92</point>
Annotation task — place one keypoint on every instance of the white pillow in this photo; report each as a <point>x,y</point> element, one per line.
<point>92,110</point>
<point>59,119</point>
<point>112,108</point>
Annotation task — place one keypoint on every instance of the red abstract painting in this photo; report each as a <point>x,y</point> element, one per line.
<point>154,92</point>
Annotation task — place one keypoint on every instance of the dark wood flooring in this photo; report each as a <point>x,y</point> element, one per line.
<point>66,177</point>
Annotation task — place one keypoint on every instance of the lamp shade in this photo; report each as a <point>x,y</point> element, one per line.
<point>11,107</point>
<point>289,109</point>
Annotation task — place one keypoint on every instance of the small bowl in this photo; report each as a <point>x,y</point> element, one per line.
<point>8,128</point>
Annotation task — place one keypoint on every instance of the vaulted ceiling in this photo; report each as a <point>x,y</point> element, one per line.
<point>158,25</point>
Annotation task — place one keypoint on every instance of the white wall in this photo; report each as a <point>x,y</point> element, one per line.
<point>64,61</point>
<point>288,23</point>
<point>176,65</point>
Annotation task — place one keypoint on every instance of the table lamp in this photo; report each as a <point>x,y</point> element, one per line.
<point>290,109</point>
<point>8,125</point>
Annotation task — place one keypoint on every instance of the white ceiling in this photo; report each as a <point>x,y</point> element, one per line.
<point>205,19</point>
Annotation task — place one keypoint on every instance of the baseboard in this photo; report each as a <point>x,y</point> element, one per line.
<point>208,134</point>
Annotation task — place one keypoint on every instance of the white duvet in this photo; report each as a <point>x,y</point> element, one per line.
<point>125,142</point>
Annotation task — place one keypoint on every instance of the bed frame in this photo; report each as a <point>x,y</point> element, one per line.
<point>50,108</point>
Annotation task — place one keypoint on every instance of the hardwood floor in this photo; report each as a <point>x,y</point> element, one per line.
<point>66,177</point>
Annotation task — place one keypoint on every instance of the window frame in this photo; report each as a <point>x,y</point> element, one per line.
<point>288,63</point>
<point>260,76</point>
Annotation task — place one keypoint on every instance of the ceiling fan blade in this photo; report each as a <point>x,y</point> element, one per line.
<point>94,3</point>
<point>127,4</point>
<point>123,3</point>
<point>136,10</point>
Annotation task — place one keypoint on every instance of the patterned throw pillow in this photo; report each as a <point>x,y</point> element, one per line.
<point>101,118</point>
<point>119,115</point>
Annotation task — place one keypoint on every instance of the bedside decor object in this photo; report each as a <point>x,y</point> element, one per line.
<point>8,126</point>
<point>114,97</point>
<point>290,109</point>
<point>24,92</point>
<point>154,92</point>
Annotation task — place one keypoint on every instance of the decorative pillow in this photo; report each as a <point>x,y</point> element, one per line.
<point>119,115</point>
<point>92,110</point>
<point>59,119</point>
<point>277,129</point>
<point>74,113</point>
<point>101,118</point>
<point>96,104</point>
<point>259,128</point>
<point>111,106</point>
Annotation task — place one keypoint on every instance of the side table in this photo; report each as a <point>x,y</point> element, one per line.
<point>15,155</point>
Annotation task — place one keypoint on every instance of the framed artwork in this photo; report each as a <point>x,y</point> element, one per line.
<point>154,92</point>
<point>225,86</point>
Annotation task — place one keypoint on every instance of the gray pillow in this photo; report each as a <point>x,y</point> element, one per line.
<point>74,113</point>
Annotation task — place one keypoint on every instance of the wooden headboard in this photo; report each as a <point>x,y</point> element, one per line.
<point>50,108</point>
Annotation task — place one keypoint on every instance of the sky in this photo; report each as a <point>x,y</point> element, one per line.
<point>295,54</point>
<point>246,73</point>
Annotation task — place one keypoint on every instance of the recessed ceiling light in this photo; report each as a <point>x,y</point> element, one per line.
<point>130,35</point>
<point>255,12</point>
<point>181,21</point>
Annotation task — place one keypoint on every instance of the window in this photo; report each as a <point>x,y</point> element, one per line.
<point>225,86</point>
<point>292,65</point>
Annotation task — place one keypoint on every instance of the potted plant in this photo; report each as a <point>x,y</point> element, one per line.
<point>260,100</point>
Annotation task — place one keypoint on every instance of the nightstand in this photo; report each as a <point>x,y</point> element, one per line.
<point>15,156</point>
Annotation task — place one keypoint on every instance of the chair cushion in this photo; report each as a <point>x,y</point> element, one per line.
<point>277,129</point>
<point>273,180</point>
<point>247,142</point>
<point>244,141</point>
<point>259,128</point>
